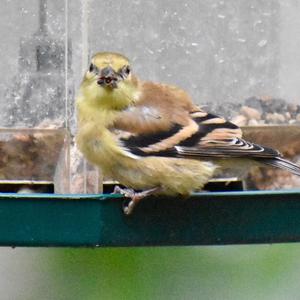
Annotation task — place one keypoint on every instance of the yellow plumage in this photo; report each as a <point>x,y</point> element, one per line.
<point>151,137</point>
<point>98,108</point>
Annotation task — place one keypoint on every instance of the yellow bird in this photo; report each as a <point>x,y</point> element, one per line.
<point>151,137</point>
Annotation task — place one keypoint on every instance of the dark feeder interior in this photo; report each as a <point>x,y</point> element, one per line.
<point>285,138</point>
<point>34,161</point>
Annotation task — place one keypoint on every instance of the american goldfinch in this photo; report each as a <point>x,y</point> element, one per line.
<point>152,138</point>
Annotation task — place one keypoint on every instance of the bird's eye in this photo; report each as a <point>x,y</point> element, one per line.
<point>124,72</point>
<point>127,70</point>
<point>91,68</point>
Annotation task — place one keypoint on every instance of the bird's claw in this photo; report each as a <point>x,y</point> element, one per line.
<point>133,196</point>
<point>128,193</point>
<point>127,209</point>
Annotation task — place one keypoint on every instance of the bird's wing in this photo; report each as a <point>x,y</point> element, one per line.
<point>203,135</point>
<point>164,121</point>
<point>217,137</point>
<point>157,109</point>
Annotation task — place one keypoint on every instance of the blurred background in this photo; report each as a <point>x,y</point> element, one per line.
<point>239,59</point>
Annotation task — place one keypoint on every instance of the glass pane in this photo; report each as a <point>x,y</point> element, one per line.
<point>33,90</point>
<point>216,50</point>
<point>33,93</point>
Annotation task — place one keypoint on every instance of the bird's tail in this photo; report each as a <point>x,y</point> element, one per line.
<point>282,164</point>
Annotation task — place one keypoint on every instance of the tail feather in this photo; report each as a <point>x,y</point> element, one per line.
<point>282,164</point>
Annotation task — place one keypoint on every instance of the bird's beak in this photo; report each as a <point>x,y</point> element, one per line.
<point>108,78</point>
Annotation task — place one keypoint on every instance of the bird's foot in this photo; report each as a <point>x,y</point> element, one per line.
<point>135,197</point>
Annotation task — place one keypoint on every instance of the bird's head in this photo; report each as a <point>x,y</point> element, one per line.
<point>109,80</point>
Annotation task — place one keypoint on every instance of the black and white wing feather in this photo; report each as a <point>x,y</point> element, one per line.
<point>205,136</point>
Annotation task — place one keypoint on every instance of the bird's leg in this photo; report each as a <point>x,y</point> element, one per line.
<point>135,197</point>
